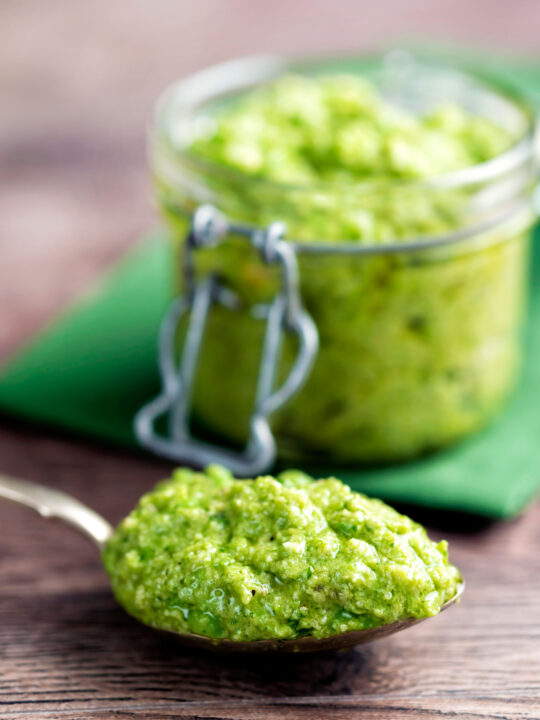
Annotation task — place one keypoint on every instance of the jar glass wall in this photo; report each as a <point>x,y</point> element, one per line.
<point>420,329</point>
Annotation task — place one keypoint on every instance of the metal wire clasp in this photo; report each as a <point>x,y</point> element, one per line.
<point>284,313</point>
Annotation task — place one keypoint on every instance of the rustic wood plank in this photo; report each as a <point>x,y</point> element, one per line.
<point>314,709</point>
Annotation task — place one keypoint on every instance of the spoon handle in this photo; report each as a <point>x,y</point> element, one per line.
<point>56,505</point>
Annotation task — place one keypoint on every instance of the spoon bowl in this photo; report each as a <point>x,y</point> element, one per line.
<point>307,644</point>
<point>56,505</point>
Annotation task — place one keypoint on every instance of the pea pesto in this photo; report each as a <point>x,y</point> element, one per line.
<point>338,129</point>
<point>417,348</point>
<point>272,558</point>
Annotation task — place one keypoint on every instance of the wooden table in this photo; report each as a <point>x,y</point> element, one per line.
<point>78,81</point>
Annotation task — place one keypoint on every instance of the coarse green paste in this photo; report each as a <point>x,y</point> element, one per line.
<point>273,558</point>
<point>417,348</point>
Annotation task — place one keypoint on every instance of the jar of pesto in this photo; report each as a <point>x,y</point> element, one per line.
<point>405,186</point>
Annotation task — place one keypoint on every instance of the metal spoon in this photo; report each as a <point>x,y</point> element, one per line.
<point>56,505</point>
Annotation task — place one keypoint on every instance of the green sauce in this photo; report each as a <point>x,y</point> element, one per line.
<point>338,129</point>
<point>417,349</point>
<point>277,557</point>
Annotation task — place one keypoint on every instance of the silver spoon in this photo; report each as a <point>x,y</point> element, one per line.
<point>56,505</point>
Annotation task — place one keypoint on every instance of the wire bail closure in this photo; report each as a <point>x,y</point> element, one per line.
<point>284,313</point>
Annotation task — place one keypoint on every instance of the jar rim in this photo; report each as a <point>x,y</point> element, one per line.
<point>240,74</point>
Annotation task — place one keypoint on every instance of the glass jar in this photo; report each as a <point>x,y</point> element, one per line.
<point>419,331</point>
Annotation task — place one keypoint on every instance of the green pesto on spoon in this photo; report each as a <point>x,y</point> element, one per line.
<point>56,505</point>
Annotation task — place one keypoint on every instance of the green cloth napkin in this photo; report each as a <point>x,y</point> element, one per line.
<point>92,368</point>
<point>95,366</point>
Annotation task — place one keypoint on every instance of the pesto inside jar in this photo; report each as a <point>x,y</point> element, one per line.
<point>417,348</point>
<point>272,558</point>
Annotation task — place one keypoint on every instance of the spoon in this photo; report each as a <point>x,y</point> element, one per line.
<point>56,505</point>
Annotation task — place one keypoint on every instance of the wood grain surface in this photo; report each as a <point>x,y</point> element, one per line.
<point>77,83</point>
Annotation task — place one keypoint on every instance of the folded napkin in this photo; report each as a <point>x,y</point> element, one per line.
<point>94,367</point>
